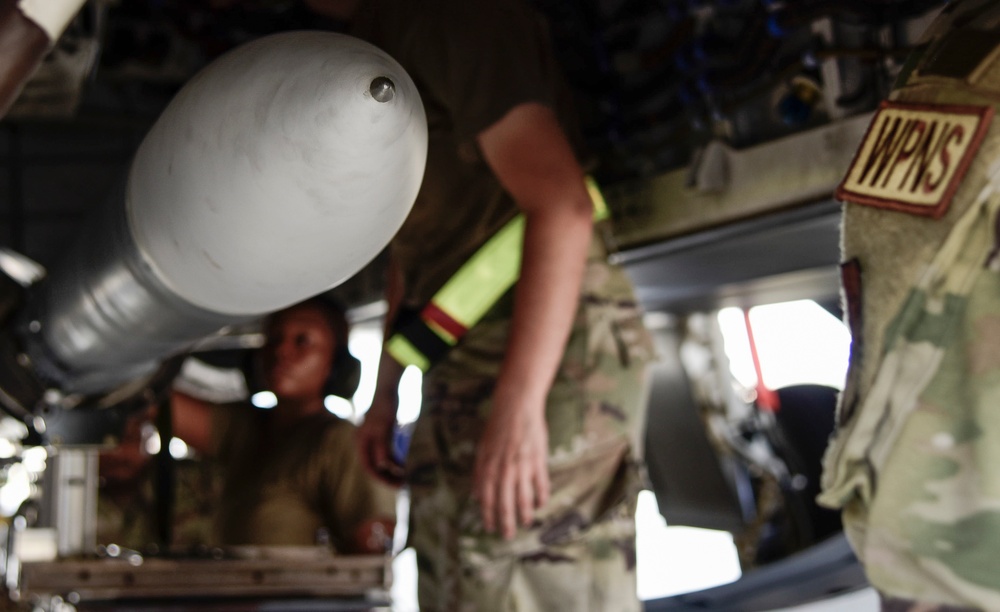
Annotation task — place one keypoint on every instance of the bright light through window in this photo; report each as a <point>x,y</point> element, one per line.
<point>673,560</point>
<point>15,490</point>
<point>737,346</point>
<point>264,399</point>
<point>7,449</point>
<point>339,406</point>
<point>150,439</point>
<point>366,344</point>
<point>797,342</point>
<point>410,395</point>
<point>178,448</point>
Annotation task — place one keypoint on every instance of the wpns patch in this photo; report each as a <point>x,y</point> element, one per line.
<point>913,157</point>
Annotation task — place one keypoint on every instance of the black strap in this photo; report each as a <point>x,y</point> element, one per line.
<point>409,325</point>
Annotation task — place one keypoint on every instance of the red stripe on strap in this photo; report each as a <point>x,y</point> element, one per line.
<point>432,313</point>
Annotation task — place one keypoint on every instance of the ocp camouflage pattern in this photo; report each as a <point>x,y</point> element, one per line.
<point>915,464</point>
<point>579,553</point>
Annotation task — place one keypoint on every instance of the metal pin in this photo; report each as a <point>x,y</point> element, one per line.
<point>382,89</point>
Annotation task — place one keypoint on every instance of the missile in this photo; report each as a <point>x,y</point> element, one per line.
<point>276,173</point>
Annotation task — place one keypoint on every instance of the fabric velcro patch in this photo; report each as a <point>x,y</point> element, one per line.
<point>914,156</point>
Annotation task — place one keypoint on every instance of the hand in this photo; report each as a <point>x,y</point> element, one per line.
<point>511,475</point>
<point>374,536</point>
<point>374,438</point>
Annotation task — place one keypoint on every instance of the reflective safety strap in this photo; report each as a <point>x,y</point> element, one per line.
<point>601,211</point>
<point>469,294</point>
<point>403,351</point>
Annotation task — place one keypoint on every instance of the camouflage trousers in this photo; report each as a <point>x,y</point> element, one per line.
<point>579,553</point>
<point>916,462</point>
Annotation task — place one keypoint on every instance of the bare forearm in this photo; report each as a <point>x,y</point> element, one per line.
<point>511,476</point>
<point>191,419</point>
<point>531,157</point>
<point>374,436</point>
<point>387,382</point>
<point>533,160</point>
<point>555,251</point>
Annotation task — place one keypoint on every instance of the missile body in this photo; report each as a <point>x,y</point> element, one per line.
<point>276,173</point>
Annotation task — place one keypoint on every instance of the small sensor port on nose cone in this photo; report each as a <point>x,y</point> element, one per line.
<point>382,89</point>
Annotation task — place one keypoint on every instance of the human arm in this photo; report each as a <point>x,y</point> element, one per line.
<point>191,419</point>
<point>23,44</point>
<point>27,31</point>
<point>360,510</point>
<point>374,435</point>
<point>369,507</point>
<point>533,160</point>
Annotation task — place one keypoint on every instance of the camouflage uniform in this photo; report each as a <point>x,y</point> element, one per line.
<point>915,464</point>
<point>579,553</point>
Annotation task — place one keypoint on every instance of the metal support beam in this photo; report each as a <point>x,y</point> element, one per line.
<point>724,185</point>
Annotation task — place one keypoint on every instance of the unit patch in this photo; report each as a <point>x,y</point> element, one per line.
<point>913,157</point>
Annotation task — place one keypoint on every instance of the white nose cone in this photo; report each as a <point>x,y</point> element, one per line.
<point>278,172</point>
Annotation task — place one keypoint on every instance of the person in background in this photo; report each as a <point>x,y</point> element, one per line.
<point>914,464</point>
<point>291,474</point>
<point>525,463</point>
